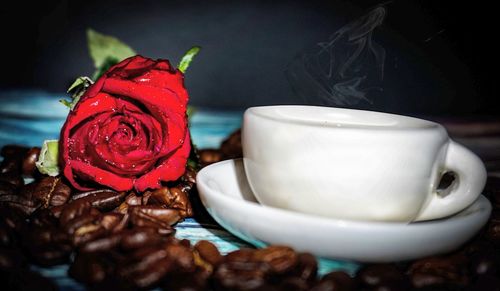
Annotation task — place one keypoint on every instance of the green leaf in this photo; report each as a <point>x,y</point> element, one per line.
<point>78,87</point>
<point>108,63</point>
<point>191,110</point>
<point>48,160</point>
<point>102,47</point>
<point>188,58</point>
<point>66,103</point>
<point>79,82</point>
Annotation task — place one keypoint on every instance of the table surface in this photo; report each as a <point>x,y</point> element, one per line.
<point>30,117</point>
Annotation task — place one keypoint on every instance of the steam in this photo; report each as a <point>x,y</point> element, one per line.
<point>343,70</point>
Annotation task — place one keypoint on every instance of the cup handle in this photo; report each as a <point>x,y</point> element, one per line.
<point>470,178</point>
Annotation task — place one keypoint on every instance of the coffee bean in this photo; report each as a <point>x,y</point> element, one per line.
<point>103,199</point>
<point>49,191</point>
<point>186,281</point>
<point>11,199</point>
<point>208,252</point>
<point>123,208</point>
<point>43,217</point>
<point>46,234</point>
<point>73,218</point>
<point>74,209</point>
<point>139,218</point>
<point>209,156</point>
<point>11,259</point>
<point>400,285</point>
<point>378,274</point>
<point>326,285</point>
<point>80,221</point>
<point>88,232</point>
<point>423,280</point>
<point>282,259</point>
<point>6,237</point>
<point>29,162</point>
<point>189,176</point>
<point>485,262</point>
<point>160,196</point>
<point>343,280</point>
<point>19,203</point>
<point>10,166</point>
<point>7,188</point>
<point>307,267</point>
<point>13,157</point>
<point>181,202</point>
<point>91,268</point>
<point>60,194</point>
<point>173,198</point>
<point>439,270</point>
<point>241,255</point>
<point>185,242</point>
<point>478,245</point>
<point>231,147</point>
<point>140,238</point>
<point>102,244</point>
<point>241,275</point>
<point>112,221</point>
<point>13,151</point>
<point>132,199</point>
<point>10,180</point>
<point>154,260</point>
<point>493,229</point>
<point>48,255</point>
<point>153,276</point>
<point>169,216</point>
<point>182,256</point>
<point>293,284</point>
<point>11,218</point>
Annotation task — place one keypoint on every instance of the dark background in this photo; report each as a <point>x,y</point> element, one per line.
<point>439,55</point>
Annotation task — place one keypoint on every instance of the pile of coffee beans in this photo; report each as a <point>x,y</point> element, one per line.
<point>105,235</point>
<point>125,241</point>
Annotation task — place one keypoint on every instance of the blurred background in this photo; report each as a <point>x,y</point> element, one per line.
<point>413,57</point>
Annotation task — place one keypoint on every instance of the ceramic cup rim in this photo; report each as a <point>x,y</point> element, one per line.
<point>379,120</point>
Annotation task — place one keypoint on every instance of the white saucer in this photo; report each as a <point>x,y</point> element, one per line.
<point>225,193</point>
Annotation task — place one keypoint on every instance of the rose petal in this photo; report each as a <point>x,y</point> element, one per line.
<point>170,169</point>
<point>161,103</point>
<point>100,153</point>
<point>176,130</point>
<point>92,90</point>
<point>144,93</point>
<point>101,176</point>
<point>128,104</point>
<point>162,79</point>
<point>68,173</point>
<point>154,131</point>
<point>131,67</point>
<point>90,107</point>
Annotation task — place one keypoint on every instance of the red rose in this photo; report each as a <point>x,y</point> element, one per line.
<point>129,129</point>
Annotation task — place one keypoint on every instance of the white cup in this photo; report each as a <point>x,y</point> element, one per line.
<point>354,164</point>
